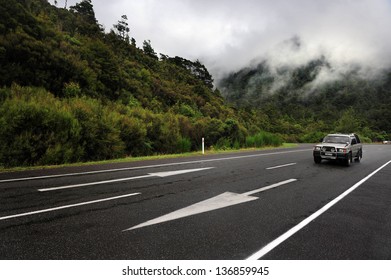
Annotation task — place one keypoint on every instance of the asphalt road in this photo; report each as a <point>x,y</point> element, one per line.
<point>275,204</point>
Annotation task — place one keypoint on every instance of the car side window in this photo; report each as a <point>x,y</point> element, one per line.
<point>354,141</point>
<point>358,139</point>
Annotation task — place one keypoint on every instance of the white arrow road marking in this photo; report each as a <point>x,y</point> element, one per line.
<point>158,174</point>
<point>65,206</point>
<point>221,201</point>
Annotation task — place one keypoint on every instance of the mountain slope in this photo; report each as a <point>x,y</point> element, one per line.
<point>71,92</point>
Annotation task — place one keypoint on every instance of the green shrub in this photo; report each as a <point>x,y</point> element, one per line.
<point>223,144</point>
<point>71,89</point>
<point>36,129</point>
<point>236,145</point>
<point>100,133</point>
<point>184,145</point>
<point>312,137</point>
<point>133,133</point>
<point>263,139</point>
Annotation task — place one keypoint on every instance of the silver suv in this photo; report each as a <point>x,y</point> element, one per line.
<point>340,147</point>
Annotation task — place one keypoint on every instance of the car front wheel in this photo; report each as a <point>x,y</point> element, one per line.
<point>317,159</point>
<point>348,161</point>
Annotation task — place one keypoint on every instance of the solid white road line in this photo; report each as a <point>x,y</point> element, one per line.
<point>66,206</point>
<point>147,166</point>
<point>306,221</point>
<point>279,166</point>
<point>157,174</point>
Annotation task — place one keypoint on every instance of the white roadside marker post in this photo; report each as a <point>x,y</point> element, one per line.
<point>203,145</point>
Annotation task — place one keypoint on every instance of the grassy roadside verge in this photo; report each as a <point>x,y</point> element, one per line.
<point>144,158</point>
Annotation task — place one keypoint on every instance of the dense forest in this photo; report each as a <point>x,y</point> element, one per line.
<point>72,92</point>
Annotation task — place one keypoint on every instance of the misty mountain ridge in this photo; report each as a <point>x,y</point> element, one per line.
<point>309,93</point>
<point>288,70</point>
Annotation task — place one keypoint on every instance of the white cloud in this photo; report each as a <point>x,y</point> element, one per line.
<point>227,35</point>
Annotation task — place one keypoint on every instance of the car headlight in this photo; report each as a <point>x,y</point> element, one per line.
<point>316,148</point>
<point>342,151</point>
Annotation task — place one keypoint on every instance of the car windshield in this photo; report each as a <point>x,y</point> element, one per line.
<point>336,139</point>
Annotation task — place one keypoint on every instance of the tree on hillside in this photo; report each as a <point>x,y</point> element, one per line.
<point>200,71</point>
<point>122,28</point>
<point>196,68</point>
<point>349,122</point>
<point>148,50</point>
<point>85,8</point>
<point>88,23</point>
<point>133,42</point>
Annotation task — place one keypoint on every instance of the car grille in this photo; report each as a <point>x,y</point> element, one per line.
<point>328,149</point>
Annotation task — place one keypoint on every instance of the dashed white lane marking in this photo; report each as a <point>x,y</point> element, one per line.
<point>270,187</point>
<point>157,174</point>
<point>306,221</point>
<point>279,166</point>
<point>147,166</point>
<point>66,206</point>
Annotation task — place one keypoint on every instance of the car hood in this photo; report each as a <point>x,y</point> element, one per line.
<point>335,145</point>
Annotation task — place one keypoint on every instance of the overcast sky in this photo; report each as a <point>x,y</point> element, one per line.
<point>229,34</point>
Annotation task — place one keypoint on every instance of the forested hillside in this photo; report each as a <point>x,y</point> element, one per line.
<point>69,92</point>
<point>300,104</point>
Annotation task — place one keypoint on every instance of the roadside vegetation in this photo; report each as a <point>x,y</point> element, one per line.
<point>210,151</point>
<point>38,128</point>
